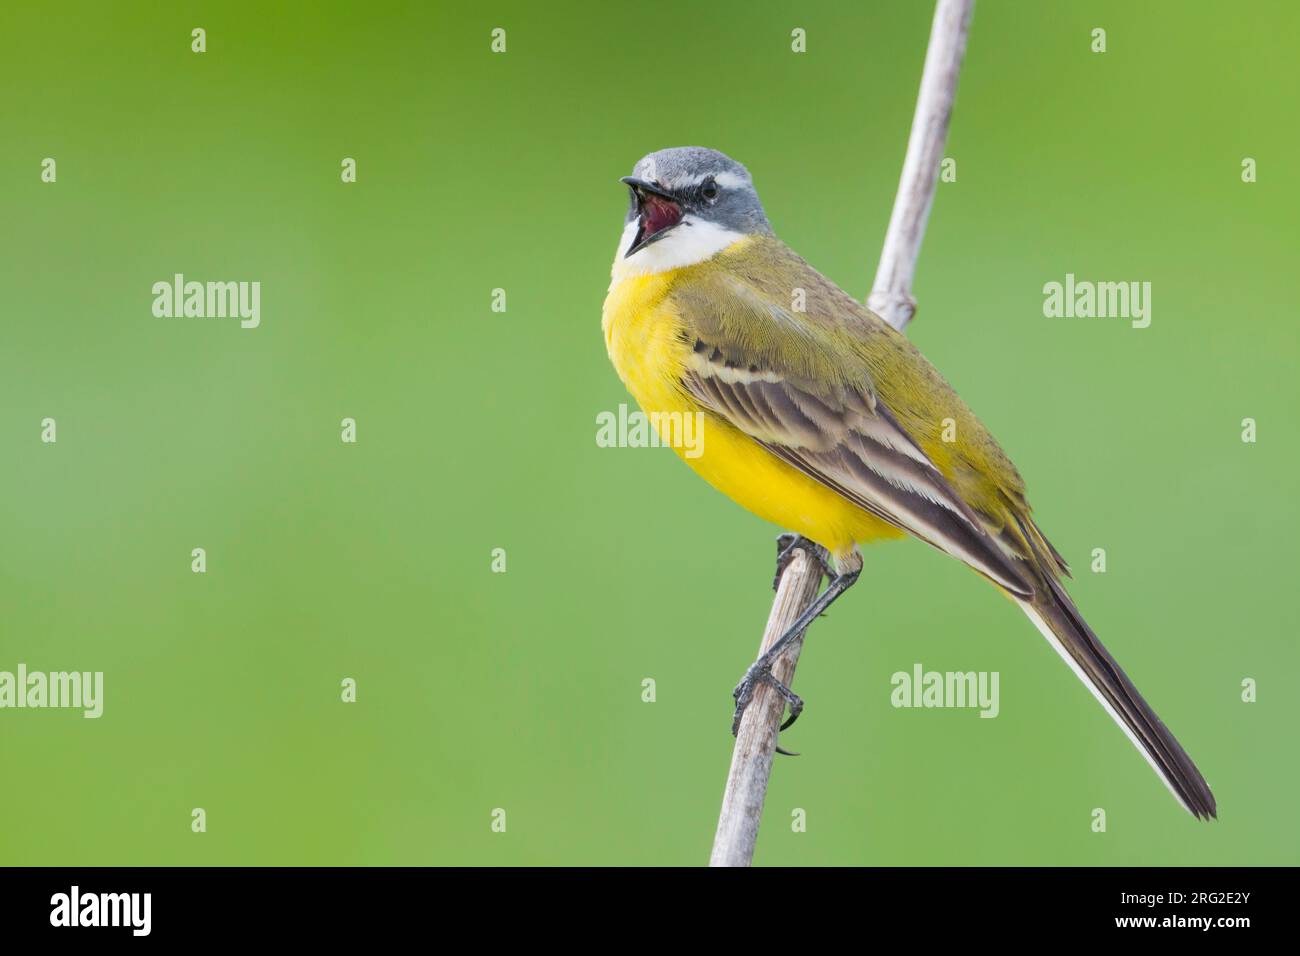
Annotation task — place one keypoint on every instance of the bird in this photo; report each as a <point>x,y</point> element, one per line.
<point>823,419</point>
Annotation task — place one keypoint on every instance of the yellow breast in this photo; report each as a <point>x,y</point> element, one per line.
<point>643,333</point>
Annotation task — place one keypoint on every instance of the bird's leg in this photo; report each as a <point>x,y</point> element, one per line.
<point>761,670</point>
<point>787,544</point>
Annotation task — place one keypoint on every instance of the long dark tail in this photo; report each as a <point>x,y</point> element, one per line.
<point>1055,615</point>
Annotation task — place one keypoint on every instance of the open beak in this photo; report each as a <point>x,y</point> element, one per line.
<point>657,212</point>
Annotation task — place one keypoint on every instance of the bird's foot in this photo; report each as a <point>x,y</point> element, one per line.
<point>760,672</point>
<point>787,544</point>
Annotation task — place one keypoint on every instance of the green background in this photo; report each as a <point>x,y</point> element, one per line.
<point>477,430</point>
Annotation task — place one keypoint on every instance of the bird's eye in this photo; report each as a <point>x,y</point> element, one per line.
<point>709,189</point>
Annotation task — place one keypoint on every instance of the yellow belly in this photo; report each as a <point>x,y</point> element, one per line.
<point>641,335</point>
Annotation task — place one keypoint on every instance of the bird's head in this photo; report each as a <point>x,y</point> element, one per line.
<point>687,204</point>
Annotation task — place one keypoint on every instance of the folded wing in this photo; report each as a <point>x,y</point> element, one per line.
<point>806,396</point>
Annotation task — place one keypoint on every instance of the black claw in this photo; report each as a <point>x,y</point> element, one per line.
<point>761,669</point>
<point>787,544</point>
<point>744,695</point>
<point>794,715</point>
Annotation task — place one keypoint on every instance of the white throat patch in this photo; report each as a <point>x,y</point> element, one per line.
<point>692,240</point>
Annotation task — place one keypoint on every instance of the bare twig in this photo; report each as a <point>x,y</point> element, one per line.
<point>751,762</point>
<point>891,298</point>
<point>891,294</point>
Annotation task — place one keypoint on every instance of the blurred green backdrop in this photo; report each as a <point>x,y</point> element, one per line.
<point>476,430</point>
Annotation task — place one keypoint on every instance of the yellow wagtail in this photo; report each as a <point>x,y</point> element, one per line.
<point>823,419</point>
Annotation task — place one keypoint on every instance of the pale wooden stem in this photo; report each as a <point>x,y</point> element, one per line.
<point>891,298</point>
<point>751,761</point>
<point>891,294</point>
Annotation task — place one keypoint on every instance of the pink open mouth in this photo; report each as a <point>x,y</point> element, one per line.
<point>657,214</point>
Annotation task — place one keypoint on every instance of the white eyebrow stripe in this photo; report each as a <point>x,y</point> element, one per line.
<point>727,180</point>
